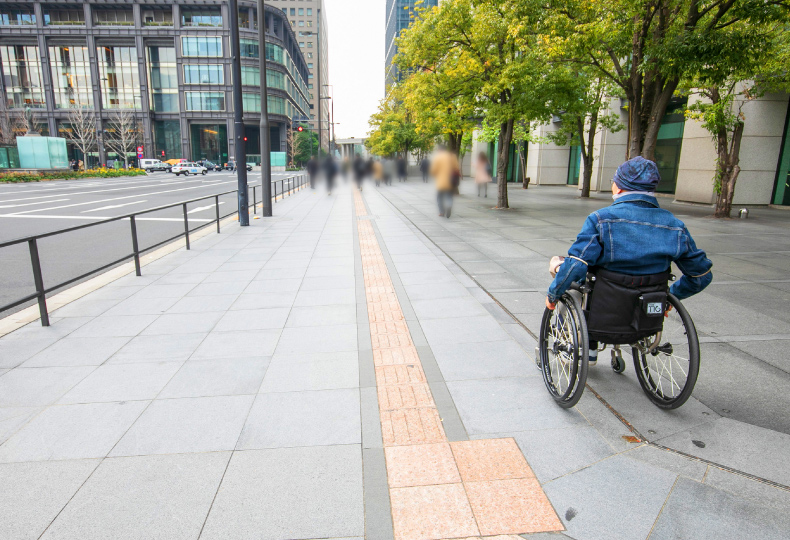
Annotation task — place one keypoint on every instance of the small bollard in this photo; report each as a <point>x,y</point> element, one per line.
<point>743,213</point>
<point>526,182</point>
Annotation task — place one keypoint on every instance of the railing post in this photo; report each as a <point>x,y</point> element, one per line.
<point>186,224</point>
<point>216,208</point>
<point>135,247</point>
<point>254,201</point>
<point>38,279</point>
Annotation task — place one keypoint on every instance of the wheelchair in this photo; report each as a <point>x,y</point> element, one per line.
<point>621,311</point>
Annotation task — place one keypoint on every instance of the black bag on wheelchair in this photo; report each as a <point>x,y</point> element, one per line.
<point>623,309</point>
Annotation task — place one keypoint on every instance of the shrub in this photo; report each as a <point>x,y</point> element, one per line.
<point>69,175</point>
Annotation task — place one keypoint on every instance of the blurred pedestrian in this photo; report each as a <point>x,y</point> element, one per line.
<point>482,173</point>
<point>360,170</point>
<point>402,169</point>
<point>425,167</point>
<point>389,171</point>
<point>330,170</point>
<point>346,168</point>
<point>312,169</point>
<point>447,174</point>
<point>378,172</point>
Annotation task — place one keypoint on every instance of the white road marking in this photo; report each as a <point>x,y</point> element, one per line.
<point>31,204</point>
<point>113,206</point>
<point>99,218</point>
<point>200,209</point>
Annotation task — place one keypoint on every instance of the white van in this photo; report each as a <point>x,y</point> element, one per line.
<point>154,165</point>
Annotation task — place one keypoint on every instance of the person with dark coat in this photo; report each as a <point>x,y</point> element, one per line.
<point>312,169</point>
<point>425,167</point>
<point>402,165</point>
<point>330,170</point>
<point>360,170</point>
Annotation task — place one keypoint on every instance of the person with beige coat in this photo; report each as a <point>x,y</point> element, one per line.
<point>444,168</point>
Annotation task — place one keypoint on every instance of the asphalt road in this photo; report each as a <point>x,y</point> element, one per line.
<point>40,207</point>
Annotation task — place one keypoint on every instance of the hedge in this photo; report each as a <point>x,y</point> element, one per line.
<point>69,175</point>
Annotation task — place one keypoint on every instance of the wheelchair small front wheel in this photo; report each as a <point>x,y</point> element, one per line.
<point>668,373</point>
<point>564,351</point>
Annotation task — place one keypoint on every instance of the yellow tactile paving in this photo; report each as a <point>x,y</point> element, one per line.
<point>438,490</point>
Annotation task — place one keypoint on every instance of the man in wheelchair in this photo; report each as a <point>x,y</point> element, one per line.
<point>633,240</point>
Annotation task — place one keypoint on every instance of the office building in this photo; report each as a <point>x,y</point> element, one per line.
<point>168,63</point>
<point>308,21</point>
<point>400,13</point>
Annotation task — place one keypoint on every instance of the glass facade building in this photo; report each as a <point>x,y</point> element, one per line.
<point>399,15</point>
<point>168,63</point>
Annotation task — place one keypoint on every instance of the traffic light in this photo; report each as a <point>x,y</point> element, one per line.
<point>300,129</point>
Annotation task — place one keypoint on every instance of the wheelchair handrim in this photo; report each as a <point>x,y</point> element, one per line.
<point>567,368</point>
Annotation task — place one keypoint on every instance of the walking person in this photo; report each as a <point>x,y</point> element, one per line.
<point>482,173</point>
<point>447,174</point>
<point>425,167</point>
<point>312,169</point>
<point>389,171</point>
<point>402,169</point>
<point>360,169</point>
<point>330,170</point>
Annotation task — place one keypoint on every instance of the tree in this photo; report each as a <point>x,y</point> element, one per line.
<point>726,88</point>
<point>82,132</point>
<point>124,133</point>
<point>393,129</point>
<point>305,146</point>
<point>647,47</point>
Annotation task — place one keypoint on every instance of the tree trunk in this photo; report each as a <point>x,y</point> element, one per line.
<point>505,137</point>
<point>454,143</point>
<point>646,110</point>
<point>728,169</point>
<point>587,151</point>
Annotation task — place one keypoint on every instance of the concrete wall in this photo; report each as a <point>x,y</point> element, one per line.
<point>547,163</point>
<point>610,150</point>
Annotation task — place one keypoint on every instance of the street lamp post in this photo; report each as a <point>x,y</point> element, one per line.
<point>333,142</point>
<point>266,168</point>
<point>238,117</point>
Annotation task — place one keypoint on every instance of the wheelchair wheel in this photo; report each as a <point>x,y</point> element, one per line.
<point>564,351</point>
<point>669,373</point>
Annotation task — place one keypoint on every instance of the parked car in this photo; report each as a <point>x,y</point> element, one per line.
<point>209,165</point>
<point>176,161</point>
<point>231,166</point>
<point>154,165</point>
<point>188,168</point>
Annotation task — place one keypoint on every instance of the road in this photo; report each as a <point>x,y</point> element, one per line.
<point>40,207</point>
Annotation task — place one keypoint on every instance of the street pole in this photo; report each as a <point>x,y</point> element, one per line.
<point>266,167</point>
<point>238,116</point>
<point>318,43</point>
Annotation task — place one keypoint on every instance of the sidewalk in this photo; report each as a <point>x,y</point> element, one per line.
<point>333,372</point>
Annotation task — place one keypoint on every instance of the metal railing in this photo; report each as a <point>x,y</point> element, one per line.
<point>287,187</point>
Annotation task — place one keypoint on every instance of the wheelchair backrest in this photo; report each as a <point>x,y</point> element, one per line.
<point>622,309</point>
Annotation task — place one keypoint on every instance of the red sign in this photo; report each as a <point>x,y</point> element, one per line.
<point>139,149</point>
<point>163,153</point>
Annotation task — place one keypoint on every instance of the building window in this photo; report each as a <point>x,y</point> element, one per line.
<point>249,48</point>
<point>252,102</point>
<point>293,23</point>
<point>112,17</point>
<point>782,187</point>
<point>167,139</point>
<point>244,18</point>
<point>209,141</point>
<point>17,17</point>
<point>309,12</point>
<point>250,76</point>
<point>309,75</point>
<point>120,82</point>
<point>275,105</point>
<point>275,79</point>
<point>204,74</point>
<point>201,46</point>
<point>310,65</point>
<point>22,74</point>
<point>293,12</point>
<point>163,79</point>
<point>301,23</point>
<point>301,43</point>
<point>204,16</point>
<point>157,16</point>
<point>310,24</point>
<point>274,53</point>
<point>309,55</point>
<point>71,79</point>
<point>64,17</point>
<point>301,12</point>
<point>204,101</point>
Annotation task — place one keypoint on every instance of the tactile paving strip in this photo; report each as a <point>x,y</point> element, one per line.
<point>438,489</point>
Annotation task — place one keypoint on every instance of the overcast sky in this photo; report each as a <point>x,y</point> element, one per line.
<point>356,62</point>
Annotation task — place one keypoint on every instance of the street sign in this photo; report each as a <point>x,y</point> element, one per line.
<point>139,149</point>
<point>139,155</point>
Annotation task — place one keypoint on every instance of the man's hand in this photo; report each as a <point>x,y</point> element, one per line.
<point>550,306</point>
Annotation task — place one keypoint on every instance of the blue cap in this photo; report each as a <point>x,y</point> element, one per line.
<point>637,174</point>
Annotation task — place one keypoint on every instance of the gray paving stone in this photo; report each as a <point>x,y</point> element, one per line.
<point>275,494</point>
<point>325,297</point>
<point>316,371</point>
<point>106,326</point>
<point>695,511</point>
<point>32,494</point>
<point>746,488</point>
<point>434,291</point>
<point>32,387</point>
<point>253,319</point>
<point>446,308</point>
<point>218,288</point>
<point>167,347</point>
<point>72,432</point>
<point>183,323</point>
<point>463,330</point>
<point>378,511</point>
<point>322,315</point>
<point>203,304</point>
<point>483,360</point>
<point>174,426</point>
<point>553,453</point>
<point>591,501</point>
<point>13,418</point>
<point>143,497</point>
<point>319,418</point>
<point>741,446</point>
<point>608,425</point>
<point>509,405</point>
<point>371,421</point>
<point>75,351</point>
<point>238,344</point>
<point>263,301</point>
<point>230,377</point>
<point>304,340</point>
<point>274,286</point>
<point>15,350</point>
<point>85,307</point>
<point>136,305</point>
<point>690,468</point>
<point>122,382</point>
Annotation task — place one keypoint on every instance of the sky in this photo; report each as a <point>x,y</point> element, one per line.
<point>356,62</point>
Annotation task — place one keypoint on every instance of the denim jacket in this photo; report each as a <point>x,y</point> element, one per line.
<point>635,236</point>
